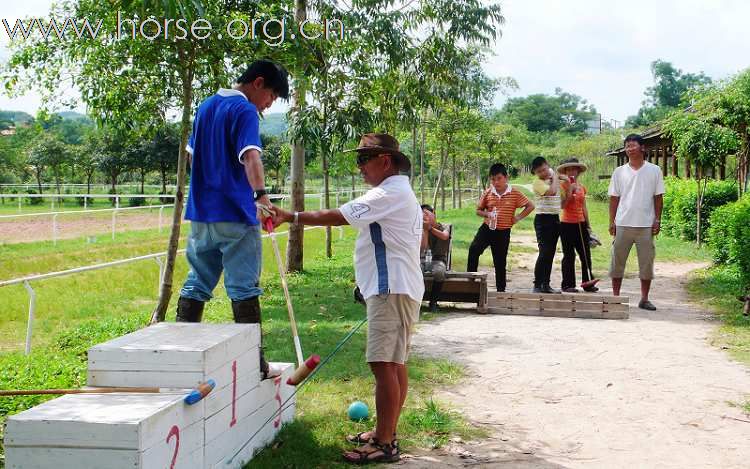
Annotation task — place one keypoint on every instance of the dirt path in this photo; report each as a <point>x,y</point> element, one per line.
<point>22,230</point>
<point>645,392</point>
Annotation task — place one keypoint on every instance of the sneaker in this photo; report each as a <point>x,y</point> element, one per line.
<point>647,305</point>
<point>591,289</point>
<point>570,290</point>
<point>547,289</point>
<point>537,290</point>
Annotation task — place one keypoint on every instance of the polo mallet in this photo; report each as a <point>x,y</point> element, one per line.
<point>201,391</point>
<point>593,281</point>
<point>268,224</point>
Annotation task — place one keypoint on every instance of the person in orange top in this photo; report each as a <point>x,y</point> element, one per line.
<point>574,227</point>
<point>497,207</point>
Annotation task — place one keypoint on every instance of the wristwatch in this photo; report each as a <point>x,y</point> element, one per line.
<point>258,194</point>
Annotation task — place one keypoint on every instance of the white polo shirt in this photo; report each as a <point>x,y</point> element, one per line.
<point>636,190</point>
<point>386,254</point>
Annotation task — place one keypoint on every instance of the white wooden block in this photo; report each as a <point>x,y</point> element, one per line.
<point>173,355</point>
<point>257,414</point>
<point>107,430</point>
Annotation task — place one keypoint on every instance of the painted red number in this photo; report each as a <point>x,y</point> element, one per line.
<point>234,394</point>
<point>174,431</point>
<point>277,382</point>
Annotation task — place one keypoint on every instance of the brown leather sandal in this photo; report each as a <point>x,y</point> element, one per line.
<point>369,453</point>
<point>359,438</point>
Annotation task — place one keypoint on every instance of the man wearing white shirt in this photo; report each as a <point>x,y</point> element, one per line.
<point>635,203</point>
<point>389,276</point>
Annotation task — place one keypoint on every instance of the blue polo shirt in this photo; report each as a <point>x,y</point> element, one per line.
<point>225,126</point>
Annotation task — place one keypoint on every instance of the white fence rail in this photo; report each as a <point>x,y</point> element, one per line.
<point>26,281</point>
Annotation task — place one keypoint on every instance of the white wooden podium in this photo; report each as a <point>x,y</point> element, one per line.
<point>159,430</point>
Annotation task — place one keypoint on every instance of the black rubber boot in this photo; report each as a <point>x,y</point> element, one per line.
<point>437,287</point>
<point>248,312</point>
<point>189,310</point>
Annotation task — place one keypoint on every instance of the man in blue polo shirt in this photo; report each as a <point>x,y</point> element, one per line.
<point>226,182</point>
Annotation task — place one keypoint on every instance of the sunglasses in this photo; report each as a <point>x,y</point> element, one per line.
<point>363,158</point>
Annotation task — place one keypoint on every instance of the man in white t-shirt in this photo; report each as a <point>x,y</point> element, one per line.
<point>635,203</point>
<point>389,276</point>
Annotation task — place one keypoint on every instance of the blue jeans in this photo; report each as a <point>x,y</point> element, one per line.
<point>234,248</point>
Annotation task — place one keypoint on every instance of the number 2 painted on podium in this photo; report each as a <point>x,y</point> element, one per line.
<point>174,431</point>
<point>234,394</point>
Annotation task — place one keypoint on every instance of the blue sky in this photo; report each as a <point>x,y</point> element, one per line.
<point>600,50</point>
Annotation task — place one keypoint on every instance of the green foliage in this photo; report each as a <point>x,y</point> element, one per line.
<point>598,190</point>
<point>670,86</point>
<point>729,235</point>
<point>564,112</point>
<point>61,365</point>
<point>679,216</point>
<point>700,139</point>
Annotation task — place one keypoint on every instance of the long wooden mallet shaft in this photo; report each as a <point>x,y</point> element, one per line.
<point>34,392</point>
<point>289,307</point>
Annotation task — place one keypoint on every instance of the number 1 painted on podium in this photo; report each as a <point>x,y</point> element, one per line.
<point>234,394</point>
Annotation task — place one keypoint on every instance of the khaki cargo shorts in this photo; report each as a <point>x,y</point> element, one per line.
<point>643,239</point>
<point>390,323</point>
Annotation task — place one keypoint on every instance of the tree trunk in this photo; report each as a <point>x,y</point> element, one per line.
<point>39,179</point>
<point>163,181</point>
<point>143,180</point>
<point>699,206</point>
<point>295,245</point>
<point>165,293</point>
<point>326,201</point>
<point>421,161</point>
<point>453,179</point>
<point>113,180</point>
<point>439,179</point>
<point>413,152</point>
<point>460,194</point>
<point>88,182</point>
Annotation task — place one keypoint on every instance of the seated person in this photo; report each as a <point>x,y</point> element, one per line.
<point>435,238</point>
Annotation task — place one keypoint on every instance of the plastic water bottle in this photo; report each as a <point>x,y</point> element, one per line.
<point>493,219</point>
<point>428,258</point>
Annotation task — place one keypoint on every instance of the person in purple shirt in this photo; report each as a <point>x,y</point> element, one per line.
<point>226,182</point>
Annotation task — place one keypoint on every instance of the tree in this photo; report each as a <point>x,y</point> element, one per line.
<point>49,152</point>
<point>564,112</point>
<point>86,156</point>
<point>705,143</point>
<point>160,151</point>
<point>274,157</point>
<point>112,160</point>
<point>670,85</point>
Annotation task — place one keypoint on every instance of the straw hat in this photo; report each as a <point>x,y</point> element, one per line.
<point>572,163</point>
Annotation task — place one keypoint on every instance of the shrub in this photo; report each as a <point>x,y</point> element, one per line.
<point>34,200</point>
<point>598,190</point>
<point>136,201</point>
<point>729,235</point>
<point>681,200</point>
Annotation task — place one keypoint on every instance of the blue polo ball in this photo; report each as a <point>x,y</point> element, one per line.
<point>358,411</point>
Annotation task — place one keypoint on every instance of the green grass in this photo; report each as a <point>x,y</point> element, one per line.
<point>718,288</point>
<point>79,311</point>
